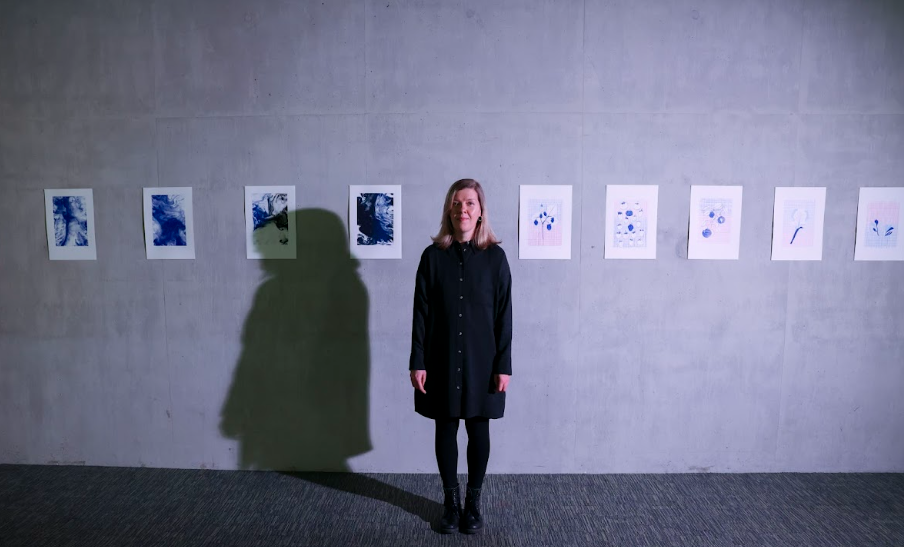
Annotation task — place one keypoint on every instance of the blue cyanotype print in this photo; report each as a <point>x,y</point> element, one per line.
<point>168,212</point>
<point>70,221</point>
<point>271,218</point>
<point>375,218</point>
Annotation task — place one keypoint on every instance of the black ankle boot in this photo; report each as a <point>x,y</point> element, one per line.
<point>451,511</point>
<point>471,521</point>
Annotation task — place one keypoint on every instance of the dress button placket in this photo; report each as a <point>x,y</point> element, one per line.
<point>461,297</point>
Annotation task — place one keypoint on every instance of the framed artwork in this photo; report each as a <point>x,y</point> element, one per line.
<point>270,222</point>
<point>69,215</point>
<point>879,224</point>
<point>631,212</point>
<point>545,219</point>
<point>797,223</point>
<point>375,221</point>
<point>169,223</point>
<point>714,231</point>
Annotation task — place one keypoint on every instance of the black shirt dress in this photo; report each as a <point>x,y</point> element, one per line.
<point>462,330</point>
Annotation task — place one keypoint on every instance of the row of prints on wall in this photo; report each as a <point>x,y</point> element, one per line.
<point>545,222</point>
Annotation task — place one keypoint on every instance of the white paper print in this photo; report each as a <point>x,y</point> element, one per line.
<point>169,223</point>
<point>631,213</point>
<point>375,221</point>
<point>797,223</point>
<point>270,222</point>
<point>715,222</point>
<point>69,216</point>
<point>544,227</point>
<point>879,224</point>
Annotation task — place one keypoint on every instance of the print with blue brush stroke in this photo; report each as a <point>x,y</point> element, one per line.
<point>881,234</point>
<point>168,213</point>
<point>375,219</point>
<point>798,215</point>
<point>270,213</point>
<point>882,227</point>
<point>70,221</point>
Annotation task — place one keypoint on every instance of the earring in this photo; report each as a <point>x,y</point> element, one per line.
<point>479,219</point>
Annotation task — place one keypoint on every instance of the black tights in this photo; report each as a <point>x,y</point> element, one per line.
<point>447,450</point>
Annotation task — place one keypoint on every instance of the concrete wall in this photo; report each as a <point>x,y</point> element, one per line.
<point>620,366</point>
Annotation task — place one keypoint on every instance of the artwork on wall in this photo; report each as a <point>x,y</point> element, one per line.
<point>270,222</point>
<point>545,222</point>
<point>169,223</point>
<point>69,215</point>
<point>715,222</point>
<point>797,223</point>
<point>375,221</point>
<point>631,221</point>
<point>878,224</point>
<point>544,226</point>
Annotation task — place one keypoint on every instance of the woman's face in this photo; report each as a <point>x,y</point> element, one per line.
<point>465,211</point>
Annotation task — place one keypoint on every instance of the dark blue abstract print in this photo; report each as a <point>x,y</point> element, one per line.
<point>271,218</point>
<point>70,221</point>
<point>168,212</point>
<point>375,218</point>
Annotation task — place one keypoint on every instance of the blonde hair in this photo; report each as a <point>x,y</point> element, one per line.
<point>483,233</point>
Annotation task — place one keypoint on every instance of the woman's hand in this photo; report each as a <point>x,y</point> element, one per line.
<point>501,381</point>
<point>418,377</point>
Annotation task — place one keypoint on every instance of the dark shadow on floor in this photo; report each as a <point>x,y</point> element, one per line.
<point>299,395</point>
<point>361,485</point>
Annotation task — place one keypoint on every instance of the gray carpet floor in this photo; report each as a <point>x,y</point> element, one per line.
<point>95,506</point>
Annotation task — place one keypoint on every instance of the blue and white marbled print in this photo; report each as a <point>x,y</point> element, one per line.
<point>271,218</point>
<point>375,218</point>
<point>70,221</point>
<point>168,212</point>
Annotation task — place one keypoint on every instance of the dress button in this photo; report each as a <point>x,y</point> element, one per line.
<point>459,334</point>
<point>460,279</point>
<point>459,315</point>
<point>459,370</point>
<point>459,351</point>
<point>457,387</point>
<point>461,297</point>
<point>459,263</point>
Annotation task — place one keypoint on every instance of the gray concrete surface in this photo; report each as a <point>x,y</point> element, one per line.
<point>620,366</point>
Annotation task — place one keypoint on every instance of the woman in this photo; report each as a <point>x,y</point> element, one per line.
<point>461,340</point>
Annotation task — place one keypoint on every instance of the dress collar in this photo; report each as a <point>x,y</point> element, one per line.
<point>466,245</point>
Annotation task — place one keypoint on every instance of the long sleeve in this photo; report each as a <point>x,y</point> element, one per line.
<point>502,328</point>
<point>419,319</point>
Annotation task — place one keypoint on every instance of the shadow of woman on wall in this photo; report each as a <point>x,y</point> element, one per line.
<point>298,402</point>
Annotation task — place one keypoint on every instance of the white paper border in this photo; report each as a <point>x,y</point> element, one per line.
<point>166,253</point>
<point>784,251</point>
<point>699,247</point>
<point>867,194</point>
<point>70,253</point>
<point>543,192</point>
<point>615,194</point>
<point>392,251</point>
<point>252,251</point>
